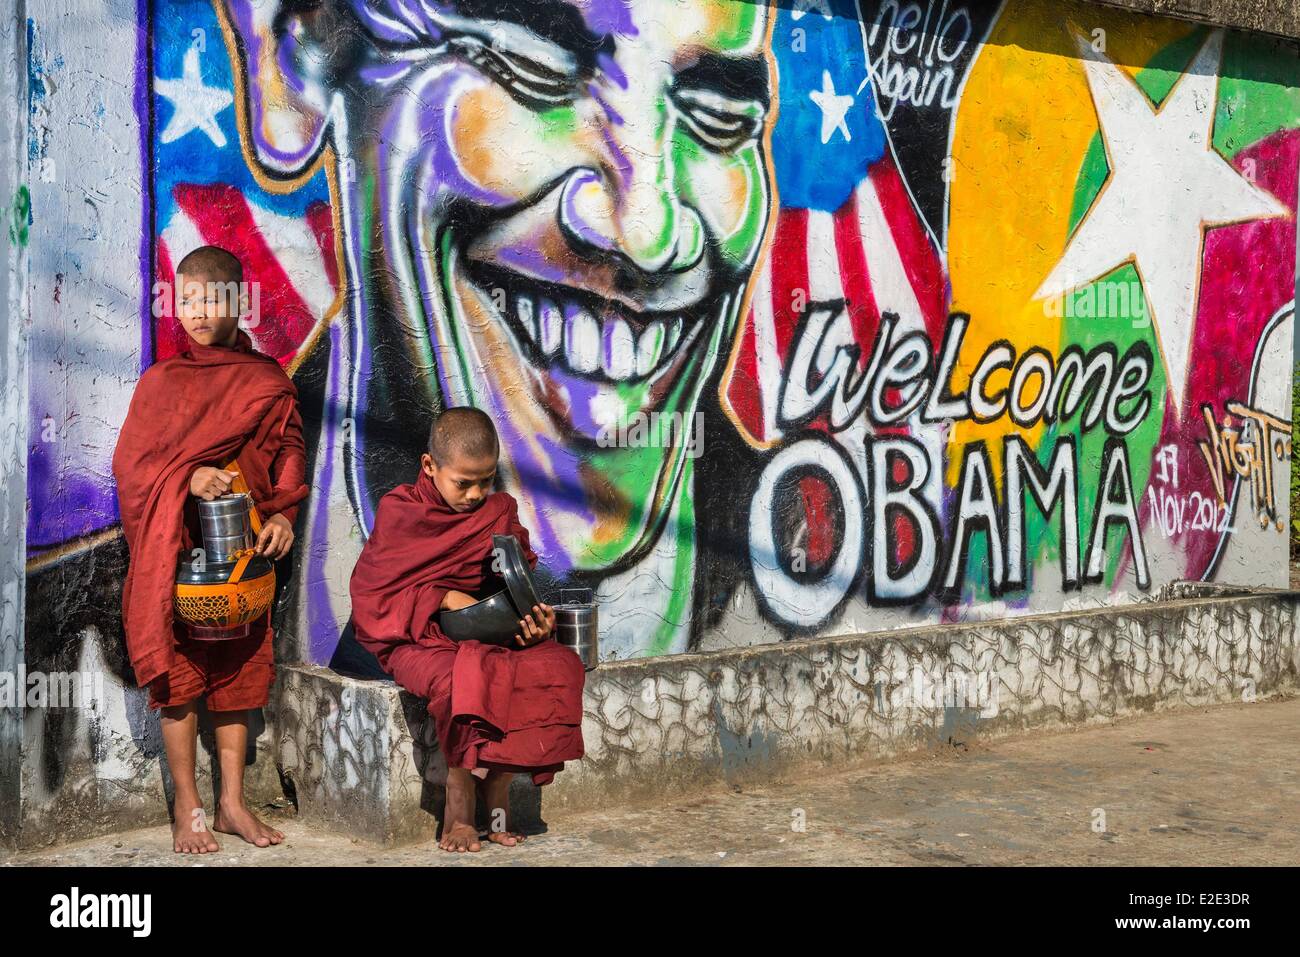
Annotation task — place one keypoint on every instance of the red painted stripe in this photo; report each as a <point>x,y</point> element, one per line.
<point>855,278</point>
<point>320,220</point>
<point>223,218</point>
<point>743,389</point>
<point>817,513</point>
<point>919,257</point>
<point>168,336</point>
<point>789,273</point>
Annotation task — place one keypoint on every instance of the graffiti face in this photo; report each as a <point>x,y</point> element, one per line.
<point>554,210</point>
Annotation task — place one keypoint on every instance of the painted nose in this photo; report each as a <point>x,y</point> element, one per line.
<point>631,209</point>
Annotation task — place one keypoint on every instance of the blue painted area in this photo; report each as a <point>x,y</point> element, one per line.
<point>809,173</point>
<point>35,92</point>
<point>194,158</point>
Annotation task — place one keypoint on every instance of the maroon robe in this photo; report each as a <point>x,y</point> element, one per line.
<point>204,407</point>
<point>513,709</point>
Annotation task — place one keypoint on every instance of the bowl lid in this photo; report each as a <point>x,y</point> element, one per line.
<point>518,576</point>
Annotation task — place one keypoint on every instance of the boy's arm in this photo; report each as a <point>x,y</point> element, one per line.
<point>289,471</point>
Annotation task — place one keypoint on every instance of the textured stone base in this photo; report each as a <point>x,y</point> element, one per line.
<point>362,755</point>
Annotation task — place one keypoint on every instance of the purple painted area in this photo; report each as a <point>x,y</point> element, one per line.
<point>443,171</point>
<point>322,631</point>
<point>385,28</point>
<point>288,65</point>
<point>611,114</point>
<point>529,261</point>
<point>607,343</point>
<point>140,99</point>
<point>609,66</point>
<point>381,73</point>
<point>242,11</point>
<point>608,16</point>
<point>573,220</point>
<point>422,12</point>
<point>552,490</point>
<point>620,159</point>
<point>64,505</point>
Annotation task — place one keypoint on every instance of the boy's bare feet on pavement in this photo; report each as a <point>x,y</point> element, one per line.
<point>190,834</point>
<point>238,819</point>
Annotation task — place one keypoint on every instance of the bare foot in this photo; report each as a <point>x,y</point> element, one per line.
<point>458,831</point>
<point>460,837</point>
<point>238,819</point>
<point>496,794</point>
<point>190,834</point>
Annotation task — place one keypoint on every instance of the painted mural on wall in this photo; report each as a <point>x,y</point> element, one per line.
<point>795,318</point>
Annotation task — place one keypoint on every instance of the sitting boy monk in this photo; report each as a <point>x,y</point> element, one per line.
<point>192,418</point>
<point>497,710</point>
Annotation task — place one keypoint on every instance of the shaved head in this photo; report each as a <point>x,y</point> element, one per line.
<point>462,432</point>
<point>211,263</point>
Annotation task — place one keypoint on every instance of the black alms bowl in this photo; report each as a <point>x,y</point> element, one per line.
<point>492,621</point>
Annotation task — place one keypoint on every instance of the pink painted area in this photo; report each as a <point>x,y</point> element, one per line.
<point>1247,276</point>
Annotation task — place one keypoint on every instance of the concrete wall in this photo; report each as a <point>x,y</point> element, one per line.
<point>13,404</point>
<point>799,248</point>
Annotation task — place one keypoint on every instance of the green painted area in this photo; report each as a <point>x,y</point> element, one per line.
<point>559,123</point>
<point>20,217</point>
<point>666,631</point>
<point>691,167</point>
<point>635,468</point>
<point>1259,92</point>
<point>742,26</point>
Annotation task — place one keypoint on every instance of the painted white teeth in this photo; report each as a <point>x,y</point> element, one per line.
<point>619,348</point>
<point>524,310</point>
<point>608,346</point>
<point>649,346</point>
<point>582,341</point>
<point>552,326</point>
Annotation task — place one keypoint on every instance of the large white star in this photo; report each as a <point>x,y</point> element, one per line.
<point>194,106</point>
<point>801,8</point>
<point>834,108</point>
<point>1167,186</point>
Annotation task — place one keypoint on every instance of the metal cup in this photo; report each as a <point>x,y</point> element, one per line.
<point>226,526</point>
<point>577,625</point>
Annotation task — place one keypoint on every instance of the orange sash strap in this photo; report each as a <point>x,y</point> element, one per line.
<point>239,485</point>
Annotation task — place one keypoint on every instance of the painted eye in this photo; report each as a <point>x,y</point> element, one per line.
<point>719,121</point>
<point>530,82</point>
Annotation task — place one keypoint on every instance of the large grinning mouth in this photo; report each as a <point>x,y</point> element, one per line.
<point>586,336</point>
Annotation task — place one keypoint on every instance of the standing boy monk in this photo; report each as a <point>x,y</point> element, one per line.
<point>497,710</point>
<point>217,403</point>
